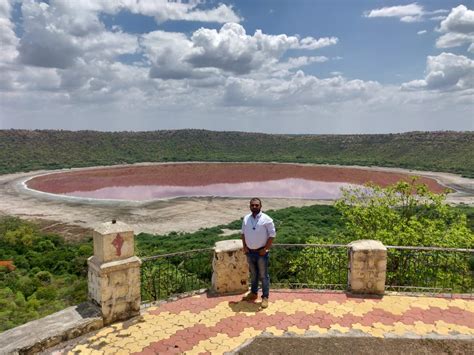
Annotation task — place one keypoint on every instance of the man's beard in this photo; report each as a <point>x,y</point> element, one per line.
<point>255,210</point>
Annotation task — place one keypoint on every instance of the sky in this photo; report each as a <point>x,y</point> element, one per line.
<point>273,66</point>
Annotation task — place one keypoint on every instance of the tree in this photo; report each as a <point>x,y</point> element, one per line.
<point>404,214</point>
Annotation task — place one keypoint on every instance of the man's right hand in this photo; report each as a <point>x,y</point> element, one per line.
<point>246,250</point>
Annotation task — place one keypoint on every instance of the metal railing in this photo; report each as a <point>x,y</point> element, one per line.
<point>165,275</point>
<point>430,269</point>
<point>316,266</point>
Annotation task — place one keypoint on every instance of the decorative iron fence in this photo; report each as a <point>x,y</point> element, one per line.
<point>316,266</point>
<point>165,275</point>
<point>429,269</point>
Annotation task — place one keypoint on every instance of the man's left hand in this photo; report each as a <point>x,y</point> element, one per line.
<point>262,252</point>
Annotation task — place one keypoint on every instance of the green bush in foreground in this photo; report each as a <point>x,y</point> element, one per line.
<point>404,214</point>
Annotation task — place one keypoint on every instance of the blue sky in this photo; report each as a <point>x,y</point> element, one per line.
<point>301,66</point>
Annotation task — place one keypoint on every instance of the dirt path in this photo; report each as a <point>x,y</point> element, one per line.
<point>354,346</point>
<point>164,216</point>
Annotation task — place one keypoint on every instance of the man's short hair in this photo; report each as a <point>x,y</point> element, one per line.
<point>256,199</point>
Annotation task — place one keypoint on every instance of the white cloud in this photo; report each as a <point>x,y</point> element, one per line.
<point>363,108</point>
<point>437,18</point>
<point>220,14</point>
<point>460,20</point>
<point>60,33</point>
<point>298,62</point>
<point>278,69</point>
<point>299,89</point>
<point>228,50</point>
<point>406,13</point>
<point>422,32</point>
<point>161,10</point>
<point>8,39</point>
<point>458,29</point>
<point>410,19</point>
<point>445,72</point>
<point>66,71</point>
<point>167,52</point>
<point>313,43</point>
<point>453,39</point>
<point>55,37</point>
<point>108,45</point>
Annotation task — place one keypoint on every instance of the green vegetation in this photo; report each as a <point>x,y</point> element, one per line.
<point>168,277</point>
<point>51,274</point>
<point>404,214</point>
<point>294,225</point>
<point>22,150</point>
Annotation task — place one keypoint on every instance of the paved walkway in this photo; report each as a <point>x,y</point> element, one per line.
<point>202,324</point>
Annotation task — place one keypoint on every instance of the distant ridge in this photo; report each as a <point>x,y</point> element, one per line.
<point>26,150</point>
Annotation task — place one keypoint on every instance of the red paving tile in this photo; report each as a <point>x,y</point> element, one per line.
<point>184,339</point>
<point>452,315</point>
<point>378,315</point>
<point>248,315</point>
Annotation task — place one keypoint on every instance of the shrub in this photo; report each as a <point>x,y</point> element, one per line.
<point>404,214</point>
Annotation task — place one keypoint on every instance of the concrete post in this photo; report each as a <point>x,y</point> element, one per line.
<point>368,266</point>
<point>230,268</point>
<point>114,272</point>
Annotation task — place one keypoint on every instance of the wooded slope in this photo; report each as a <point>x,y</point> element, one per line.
<point>22,150</point>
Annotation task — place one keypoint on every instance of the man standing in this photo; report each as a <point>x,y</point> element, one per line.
<point>258,232</point>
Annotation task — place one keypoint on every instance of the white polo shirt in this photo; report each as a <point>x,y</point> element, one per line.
<point>257,230</point>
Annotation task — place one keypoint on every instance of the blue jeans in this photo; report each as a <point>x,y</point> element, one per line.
<point>258,266</point>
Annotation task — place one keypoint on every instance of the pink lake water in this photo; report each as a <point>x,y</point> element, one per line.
<point>284,188</point>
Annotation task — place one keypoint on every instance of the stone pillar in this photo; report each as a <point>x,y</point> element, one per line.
<point>368,266</point>
<point>114,272</point>
<point>230,268</point>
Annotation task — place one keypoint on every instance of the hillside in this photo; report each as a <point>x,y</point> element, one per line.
<point>22,150</point>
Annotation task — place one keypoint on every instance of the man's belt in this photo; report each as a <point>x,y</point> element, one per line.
<point>256,250</point>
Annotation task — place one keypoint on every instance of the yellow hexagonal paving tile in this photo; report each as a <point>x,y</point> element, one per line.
<point>463,304</point>
<point>421,328</point>
<point>385,327</point>
<point>103,332</point>
<point>80,348</point>
<point>164,325</point>
<point>317,329</point>
<point>362,308</point>
<point>361,327</point>
<point>392,306</point>
<point>378,333</point>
